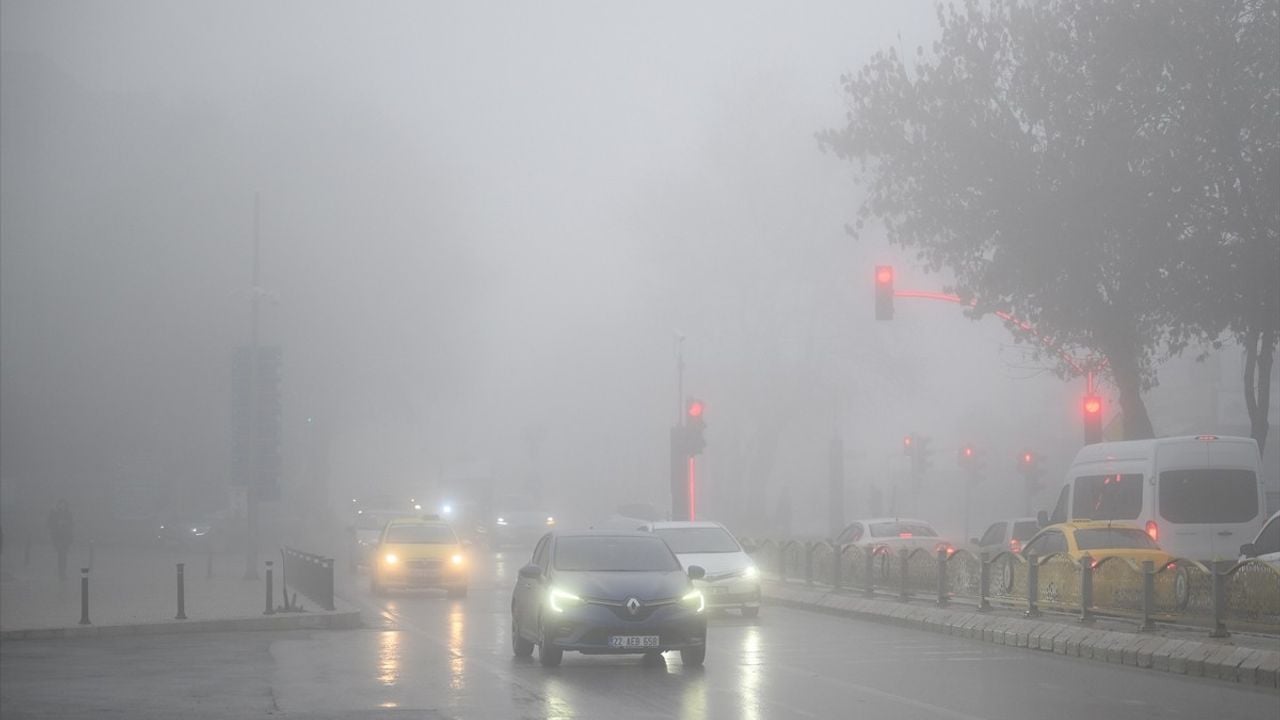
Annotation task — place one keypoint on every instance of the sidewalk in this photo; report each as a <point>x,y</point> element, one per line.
<point>134,590</point>
<point>1244,658</point>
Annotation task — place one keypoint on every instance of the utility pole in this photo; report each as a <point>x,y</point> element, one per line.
<point>255,462</point>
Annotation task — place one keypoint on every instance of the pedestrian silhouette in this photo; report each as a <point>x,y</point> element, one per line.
<point>60,532</point>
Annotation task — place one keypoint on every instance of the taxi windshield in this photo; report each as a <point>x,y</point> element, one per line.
<point>408,534</point>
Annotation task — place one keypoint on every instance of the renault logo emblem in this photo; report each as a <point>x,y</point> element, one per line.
<point>633,606</point>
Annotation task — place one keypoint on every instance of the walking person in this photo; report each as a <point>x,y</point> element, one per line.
<point>60,532</point>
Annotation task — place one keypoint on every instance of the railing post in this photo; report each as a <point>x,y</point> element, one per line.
<point>870,560</point>
<point>903,594</point>
<point>84,596</point>
<point>836,569</point>
<point>809,549</point>
<point>182,595</point>
<point>942,577</point>
<point>984,581</point>
<point>270,610</point>
<point>1148,594</point>
<point>1219,603</point>
<point>1033,585</point>
<point>1086,589</point>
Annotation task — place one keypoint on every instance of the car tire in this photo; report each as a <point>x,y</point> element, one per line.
<point>751,612</point>
<point>521,647</point>
<point>548,654</point>
<point>694,656</point>
<point>457,592</point>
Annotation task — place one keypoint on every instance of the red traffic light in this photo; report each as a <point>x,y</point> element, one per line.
<point>884,274</point>
<point>968,452</point>
<point>1092,405</point>
<point>695,409</point>
<point>1028,458</point>
<point>884,292</point>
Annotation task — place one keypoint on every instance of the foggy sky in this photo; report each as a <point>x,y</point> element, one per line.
<point>476,219</point>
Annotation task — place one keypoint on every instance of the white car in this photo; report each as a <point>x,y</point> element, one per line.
<point>731,580</point>
<point>894,534</point>
<point>1265,547</point>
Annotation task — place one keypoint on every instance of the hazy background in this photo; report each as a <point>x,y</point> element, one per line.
<point>481,223</point>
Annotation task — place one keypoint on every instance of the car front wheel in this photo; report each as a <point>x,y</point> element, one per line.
<point>694,656</point>
<point>548,654</point>
<point>520,646</point>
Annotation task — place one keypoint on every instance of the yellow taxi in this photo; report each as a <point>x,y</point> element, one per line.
<point>1097,539</point>
<point>419,553</point>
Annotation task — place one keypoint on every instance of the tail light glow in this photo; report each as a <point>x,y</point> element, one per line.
<point>1015,545</point>
<point>1153,530</point>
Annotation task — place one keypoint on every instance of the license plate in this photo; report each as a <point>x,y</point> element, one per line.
<point>633,641</point>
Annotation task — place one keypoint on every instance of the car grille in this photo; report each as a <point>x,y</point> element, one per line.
<point>423,564</point>
<point>647,607</point>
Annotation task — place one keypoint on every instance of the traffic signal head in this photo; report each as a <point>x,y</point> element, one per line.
<point>967,457</point>
<point>884,292</point>
<point>694,409</point>
<point>908,444</point>
<point>694,424</point>
<point>1092,407</point>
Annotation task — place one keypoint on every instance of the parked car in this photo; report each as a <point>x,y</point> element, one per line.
<point>732,580</point>
<point>1266,546</point>
<point>1006,536</point>
<point>1198,496</point>
<point>1097,539</point>
<point>605,592</point>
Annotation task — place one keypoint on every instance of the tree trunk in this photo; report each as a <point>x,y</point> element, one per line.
<point>1259,356</point>
<point>1137,424</point>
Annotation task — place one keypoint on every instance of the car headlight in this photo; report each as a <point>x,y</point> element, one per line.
<point>694,601</point>
<point>502,521</point>
<point>456,559</point>
<point>390,559</point>
<point>551,520</point>
<point>751,573</point>
<point>559,600</point>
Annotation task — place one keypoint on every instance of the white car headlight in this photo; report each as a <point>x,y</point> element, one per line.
<point>751,573</point>
<point>559,600</point>
<point>391,559</point>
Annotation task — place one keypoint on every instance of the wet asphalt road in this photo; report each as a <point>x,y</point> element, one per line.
<point>427,656</point>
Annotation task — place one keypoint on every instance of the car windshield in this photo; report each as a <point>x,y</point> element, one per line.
<point>606,553</point>
<point>698,540</point>
<point>1108,497</point>
<point>1024,530</point>
<point>427,534</point>
<point>1114,539</point>
<point>897,528</point>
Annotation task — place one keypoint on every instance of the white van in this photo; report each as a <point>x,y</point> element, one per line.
<point>1198,496</point>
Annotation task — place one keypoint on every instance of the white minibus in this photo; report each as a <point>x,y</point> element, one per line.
<point>1197,496</point>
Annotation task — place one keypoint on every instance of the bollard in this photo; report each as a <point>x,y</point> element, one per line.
<point>984,582</point>
<point>328,582</point>
<point>808,562</point>
<point>1219,603</point>
<point>1148,594</point>
<point>1033,585</point>
<point>84,596</point>
<point>870,555</point>
<point>1086,589</point>
<point>182,595</point>
<point>942,577</point>
<point>270,610</point>
<point>903,595</point>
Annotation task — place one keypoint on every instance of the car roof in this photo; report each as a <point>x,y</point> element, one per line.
<point>892,519</point>
<point>417,521</point>
<point>673,524</point>
<point>1094,525</point>
<point>590,532</point>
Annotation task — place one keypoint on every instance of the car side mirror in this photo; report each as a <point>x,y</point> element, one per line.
<point>1249,550</point>
<point>1042,518</point>
<point>696,572</point>
<point>530,572</point>
<point>749,547</point>
<point>973,541</point>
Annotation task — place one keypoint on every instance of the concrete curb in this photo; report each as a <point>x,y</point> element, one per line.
<point>1208,659</point>
<point>338,620</point>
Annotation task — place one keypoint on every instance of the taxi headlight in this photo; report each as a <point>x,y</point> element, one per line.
<point>390,559</point>
<point>695,601</point>
<point>751,573</point>
<point>559,600</point>
<point>456,559</point>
